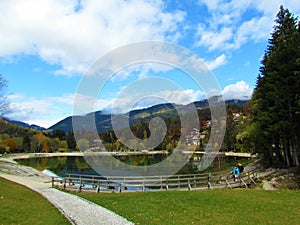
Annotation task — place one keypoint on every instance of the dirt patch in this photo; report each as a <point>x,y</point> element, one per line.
<point>275,178</point>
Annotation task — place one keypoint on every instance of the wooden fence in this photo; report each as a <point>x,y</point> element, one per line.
<point>79,182</point>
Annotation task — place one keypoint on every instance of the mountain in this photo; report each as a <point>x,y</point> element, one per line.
<point>167,110</point>
<point>103,120</point>
<point>25,125</point>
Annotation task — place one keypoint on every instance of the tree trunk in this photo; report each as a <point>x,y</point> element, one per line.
<point>285,150</point>
<point>289,150</point>
<point>278,150</point>
<point>295,151</point>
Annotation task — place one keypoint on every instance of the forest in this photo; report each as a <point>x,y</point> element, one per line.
<point>16,139</point>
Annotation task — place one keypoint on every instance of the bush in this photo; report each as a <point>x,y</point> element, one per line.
<point>2,149</point>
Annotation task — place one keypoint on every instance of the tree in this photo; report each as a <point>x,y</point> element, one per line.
<point>275,102</point>
<point>4,102</point>
<point>83,144</point>
<point>39,143</point>
<point>63,146</point>
<point>53,144</point>
<point>230,133</point>
<point>10,144</point>
<point>26,144</point>
<point>71,140</point>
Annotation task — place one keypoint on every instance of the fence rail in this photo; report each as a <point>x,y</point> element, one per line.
<point>79,182</point>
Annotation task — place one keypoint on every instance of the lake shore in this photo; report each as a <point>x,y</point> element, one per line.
<point>76,210</point>
<point>11,157</point>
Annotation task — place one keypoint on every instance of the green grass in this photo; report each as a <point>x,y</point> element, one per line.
<point>237,206</point>
<point>20,205</point>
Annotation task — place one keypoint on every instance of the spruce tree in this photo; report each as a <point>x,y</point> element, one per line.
<point>275,102</point>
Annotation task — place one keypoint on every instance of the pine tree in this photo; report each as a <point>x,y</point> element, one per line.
<point>275,102</point>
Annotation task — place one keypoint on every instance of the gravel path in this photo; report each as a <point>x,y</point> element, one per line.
<point>77,210</point>
<point>81,211</point>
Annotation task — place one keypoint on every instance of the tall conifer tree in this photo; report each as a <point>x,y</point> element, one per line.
<point>275,102</point>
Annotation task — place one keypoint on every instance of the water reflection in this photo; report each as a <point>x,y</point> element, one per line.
<point>63,165</point>
<point>59,165</point>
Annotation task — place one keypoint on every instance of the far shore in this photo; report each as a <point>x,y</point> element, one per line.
<point>57,154</point>
<point>91,153</point>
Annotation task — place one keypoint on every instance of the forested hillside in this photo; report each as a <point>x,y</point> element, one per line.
<point>14,138</point>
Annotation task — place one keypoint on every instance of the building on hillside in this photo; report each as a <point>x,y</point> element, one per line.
<point>194,138</point>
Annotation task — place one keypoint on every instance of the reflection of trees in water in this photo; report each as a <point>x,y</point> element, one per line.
<point>82,164</point>
<point>62,160</point>
<point>39,163</point>
<point>59,165</point>
<point>73,164</point>
<point>141,160</point>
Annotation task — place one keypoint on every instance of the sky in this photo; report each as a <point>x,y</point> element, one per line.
<point>47,47</point>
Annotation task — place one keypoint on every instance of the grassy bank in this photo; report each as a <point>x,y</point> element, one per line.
<point>238,206</point>
<point>20,205</point>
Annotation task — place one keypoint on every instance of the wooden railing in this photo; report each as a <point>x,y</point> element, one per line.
<point>79,182</point>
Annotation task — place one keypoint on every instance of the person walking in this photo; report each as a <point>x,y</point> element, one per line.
<point>236,173</point>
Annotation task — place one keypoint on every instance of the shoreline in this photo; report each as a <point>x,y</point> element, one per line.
<point>77,210</point>
<point>12,157</point>
<point>58,154</point>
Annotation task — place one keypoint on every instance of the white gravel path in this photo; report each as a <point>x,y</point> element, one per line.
<point>81,211</point>
<point>77,210</point>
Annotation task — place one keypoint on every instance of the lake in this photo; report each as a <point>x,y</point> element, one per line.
<point>62,165</point>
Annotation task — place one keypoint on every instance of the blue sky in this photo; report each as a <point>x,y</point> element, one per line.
<point>47,47</point>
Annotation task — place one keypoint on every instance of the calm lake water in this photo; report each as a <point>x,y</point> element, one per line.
<point>63,165</point>
<point>77,165</point>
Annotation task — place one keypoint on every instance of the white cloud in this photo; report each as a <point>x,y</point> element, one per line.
<point>142,69</point>
<point>182,96</point>
<point>48,111</point>
<point>239,90</point>
<point>226,28</point>
<point>129,102</point>
<point>214,39</point>
<point>255,29</point>
<point>40,111</point>
<point>217,62</point>
<point>73,39</point>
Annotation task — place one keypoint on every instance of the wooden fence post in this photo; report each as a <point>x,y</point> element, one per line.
<point>143,188</point>
<point>208,182</point>
<point>189,185</point>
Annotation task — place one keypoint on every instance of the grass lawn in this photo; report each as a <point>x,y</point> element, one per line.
<point>20,205</point>
<point>230,206</point>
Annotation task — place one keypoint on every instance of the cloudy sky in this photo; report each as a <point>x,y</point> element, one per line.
<point>46,47</point>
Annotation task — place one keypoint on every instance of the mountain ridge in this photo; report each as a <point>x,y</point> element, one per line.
<point>23,124</point>
<point>164,110</point>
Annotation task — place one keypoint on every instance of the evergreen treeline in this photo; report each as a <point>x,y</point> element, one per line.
<point>274,129</point>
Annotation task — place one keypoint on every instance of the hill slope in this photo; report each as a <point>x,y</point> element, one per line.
<point>103,120</point>
<point>22,124</point>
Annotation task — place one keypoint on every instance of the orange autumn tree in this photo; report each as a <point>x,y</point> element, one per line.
<point>40,143</point>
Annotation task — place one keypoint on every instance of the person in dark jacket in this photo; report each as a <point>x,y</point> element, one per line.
<point>241,167</point>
